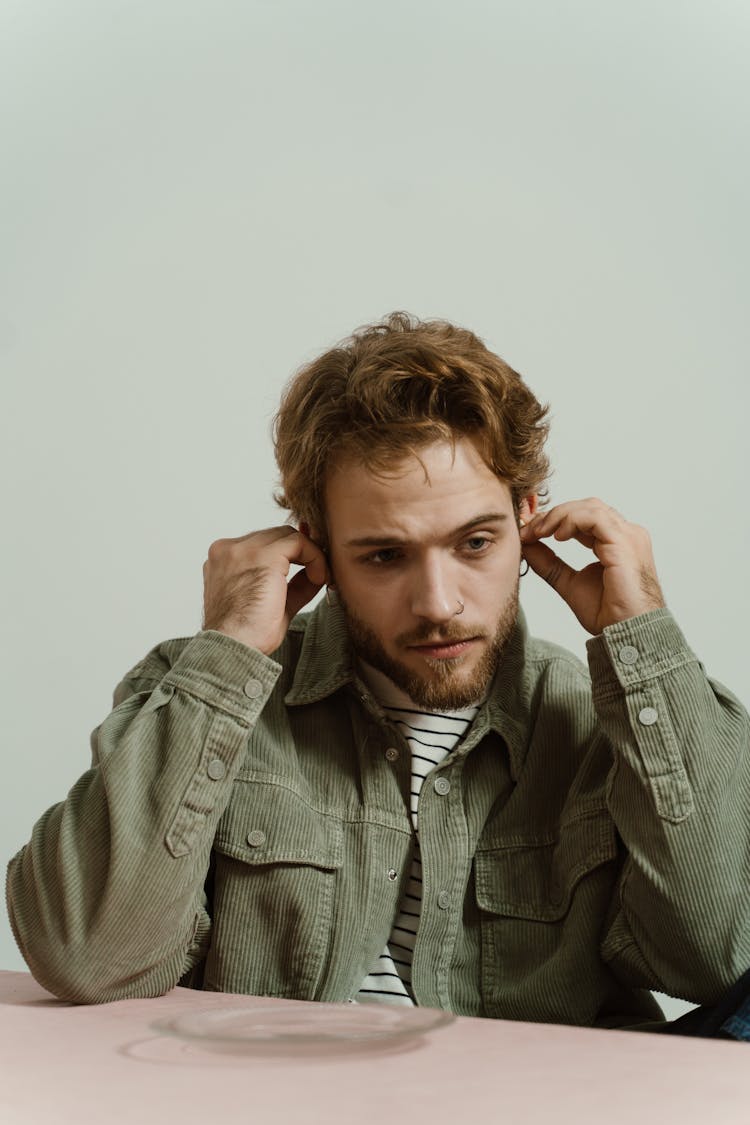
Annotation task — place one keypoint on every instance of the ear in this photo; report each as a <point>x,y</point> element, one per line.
<point>311,533</point>
<point>528,508</point>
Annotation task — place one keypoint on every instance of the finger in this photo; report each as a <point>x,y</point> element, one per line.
<point>565,530</point>
<point>549,566</point>
<point>267,535</point>
<point>300,590</point>
<point>568,529</point>
<point>304,552</point>
<point>222,549</point>
<point>292,547</point>
<point>588,521</point>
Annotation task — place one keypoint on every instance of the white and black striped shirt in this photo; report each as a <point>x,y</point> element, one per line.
<point>430,735</point>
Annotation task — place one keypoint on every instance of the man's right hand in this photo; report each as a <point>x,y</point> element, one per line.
<point>245,589</point>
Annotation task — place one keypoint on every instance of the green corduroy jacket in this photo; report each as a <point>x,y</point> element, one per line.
<point>241,824</point>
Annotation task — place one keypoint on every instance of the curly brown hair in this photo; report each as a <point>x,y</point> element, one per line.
<point>390,389</point>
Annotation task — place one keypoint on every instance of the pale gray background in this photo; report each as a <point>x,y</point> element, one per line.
<point>195,198</point>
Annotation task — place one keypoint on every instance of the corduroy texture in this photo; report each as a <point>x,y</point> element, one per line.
<point>240,818</point>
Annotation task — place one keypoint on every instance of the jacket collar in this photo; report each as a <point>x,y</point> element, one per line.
<point>326,664</point>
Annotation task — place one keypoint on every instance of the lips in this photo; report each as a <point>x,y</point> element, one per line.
<point>445,650</point>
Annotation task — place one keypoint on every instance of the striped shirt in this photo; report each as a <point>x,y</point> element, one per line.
<point>430,735</point>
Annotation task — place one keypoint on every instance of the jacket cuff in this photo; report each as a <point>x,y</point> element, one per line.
<point>631,652</point>
<point>225,674</point>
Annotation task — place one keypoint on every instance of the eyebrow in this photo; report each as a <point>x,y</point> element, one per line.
<point>397,540</point>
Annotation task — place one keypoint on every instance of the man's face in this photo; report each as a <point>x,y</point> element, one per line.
<point>406,551</point>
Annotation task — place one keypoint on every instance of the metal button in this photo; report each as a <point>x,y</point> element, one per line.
<point>393,875</point>
<point>391,754</point>
<point>256,838</point>
<point>216,769</point>
<point>441,785</point>
<point>628,655</point>
<point>253,689</point>
<point>648,716</point>
<point>443,900</point>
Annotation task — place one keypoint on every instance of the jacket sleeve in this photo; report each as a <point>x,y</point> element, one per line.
<point>106,900</point>
<point>679,794</point>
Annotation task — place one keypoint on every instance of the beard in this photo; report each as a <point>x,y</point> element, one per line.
<point>444,688</point>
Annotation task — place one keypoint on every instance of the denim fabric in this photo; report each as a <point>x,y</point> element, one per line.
<point>729,1019</point>
<point>738,1025</point>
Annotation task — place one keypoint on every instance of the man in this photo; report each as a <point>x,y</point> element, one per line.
<point>402,797</point>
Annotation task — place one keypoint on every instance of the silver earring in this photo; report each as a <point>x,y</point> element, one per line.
<point>522,573</point>
<point>460,610</point>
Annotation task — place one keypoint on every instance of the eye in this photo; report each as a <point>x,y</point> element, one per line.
<point>382,557</point>
<point>478,544</point>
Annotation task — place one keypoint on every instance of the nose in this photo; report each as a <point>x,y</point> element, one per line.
<point>433,597</point>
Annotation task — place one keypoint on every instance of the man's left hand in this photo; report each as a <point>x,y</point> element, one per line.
<point>622,584</point>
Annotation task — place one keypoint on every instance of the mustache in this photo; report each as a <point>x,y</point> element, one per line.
<point>427,636</point>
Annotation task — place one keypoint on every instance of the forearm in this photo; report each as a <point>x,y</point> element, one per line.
<point>679,796</point>
<point>106,900</point>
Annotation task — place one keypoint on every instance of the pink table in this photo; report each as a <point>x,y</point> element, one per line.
<point>63,1064</point>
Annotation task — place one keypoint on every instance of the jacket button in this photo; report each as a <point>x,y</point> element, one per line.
<point>256,838</point>
<point>393,875</point>
<point>216,769</point>
<point>441,785</point>
<point>391,754</point>
<point>253,689</point>
<point>628,654</point>
<point>648,716</point>
<point>443,900</point>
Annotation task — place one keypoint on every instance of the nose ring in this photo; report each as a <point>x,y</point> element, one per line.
<point>460,609</point>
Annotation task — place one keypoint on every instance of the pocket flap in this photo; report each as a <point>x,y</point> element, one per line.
<point>536,878</point>
<point>269,823</point>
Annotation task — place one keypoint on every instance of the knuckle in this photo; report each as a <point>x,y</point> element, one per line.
<point>217,548</point>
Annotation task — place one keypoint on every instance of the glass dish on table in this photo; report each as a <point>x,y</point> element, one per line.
<point>297,1026</point>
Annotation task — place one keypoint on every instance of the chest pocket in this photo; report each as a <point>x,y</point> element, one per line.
<point>536,878</point>
<point>276,861</point>
<point>542,905</point>
<point>267,823</point>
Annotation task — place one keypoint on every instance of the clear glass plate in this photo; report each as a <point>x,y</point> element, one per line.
<point>302,1025</point>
